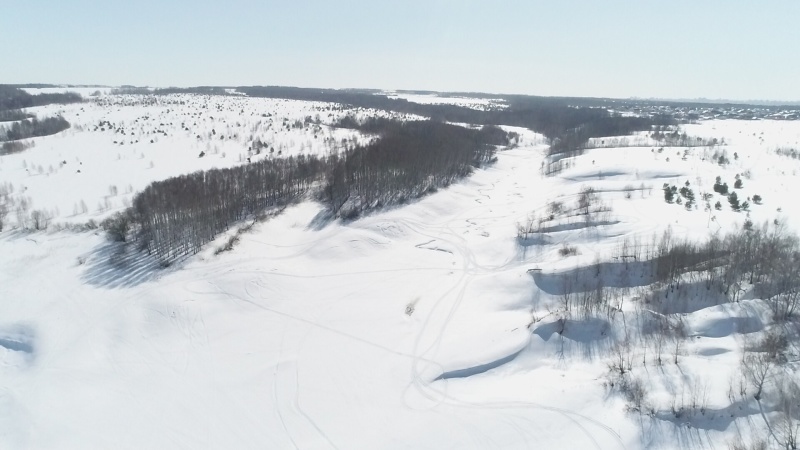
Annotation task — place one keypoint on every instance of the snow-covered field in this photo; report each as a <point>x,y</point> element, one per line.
<point>119,144</point>
<point>483,104</point>
<point>423,326</point>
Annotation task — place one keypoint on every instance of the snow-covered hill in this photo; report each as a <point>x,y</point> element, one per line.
<point>431,325</point>
<point>118,144</point>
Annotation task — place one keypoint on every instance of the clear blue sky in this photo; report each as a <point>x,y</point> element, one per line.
<point>735,49</point>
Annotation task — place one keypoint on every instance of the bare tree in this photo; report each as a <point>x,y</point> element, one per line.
<point>586,200</point>
<point>787,428</point>
<point>678,331</point>
<point>40,219</point>
<point>3,213</point>
<point>756,369</point>
<point>622,361</point>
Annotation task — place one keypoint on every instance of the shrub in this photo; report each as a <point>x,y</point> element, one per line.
<point>669,193</point>
<point>117,227</point>
<point>567,250</point>
<point>233,240</point>
<point>720,187</point>
<point>733,199</point>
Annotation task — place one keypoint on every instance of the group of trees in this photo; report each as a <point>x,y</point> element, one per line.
<point>177,216</point>
<point>12,115</point>
<point>788,152</point>
<point>409,159</point>
<point>763,261</point>
<point>595,123</point>
<point>763,258</point>
<point>567,123</point>
<point>673,194</point>
<point>26,125</point>
<point>6,202</point>
<point>733,198</point>
<point>12,97</point>
<point>33,128</point>
<point>589,210</point>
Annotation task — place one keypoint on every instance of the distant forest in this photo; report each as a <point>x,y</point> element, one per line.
<point>568,123</point>
<point>27,125</point>
<point>15,98</point>
<point>568,127</point>
<point>177,216</point>
<point>33,128</point>
<point>13,115</point>
<point>405,160</point>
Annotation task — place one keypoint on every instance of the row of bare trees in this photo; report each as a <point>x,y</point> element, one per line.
<point>677,274</point>
<point>12,97</point>
<point>177,216</point>
<point>763,258</point>
<point>33,128</point>
<point>408,160</point>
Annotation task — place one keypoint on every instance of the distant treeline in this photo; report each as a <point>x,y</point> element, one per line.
<point>566,126</point>
<point>14,147</point>
<point>567,123</point>
<point>177,216</point>
<point>205,90</point>
<point>201,90</point>
<point>15,98</point>
<point>131,90</point>
<point>33,128</point>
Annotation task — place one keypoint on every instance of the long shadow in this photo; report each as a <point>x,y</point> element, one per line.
<point>18,338</point>
<point>481,368</point>
<point>571,226</point>
<point>117,265</point>
<point>608,274</point>
<point>590,337</point>
<point>535,239</point>
<point>691,428</point>
<point>689,297</point>
<point>321,220</point>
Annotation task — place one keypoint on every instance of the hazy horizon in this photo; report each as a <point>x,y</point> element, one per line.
<point>710,51</point>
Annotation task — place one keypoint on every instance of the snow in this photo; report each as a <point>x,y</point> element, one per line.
<point>85,92</point>
<point>413,327</point>
<point>80,166</point>
<point>483,104</point>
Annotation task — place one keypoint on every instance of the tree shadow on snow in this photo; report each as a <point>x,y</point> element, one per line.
<point>689,297</point>
<point>321,220</point>
<point>586,278</point>
<point>589,338</point>
<point>116,265</point>
<point>694,428</point>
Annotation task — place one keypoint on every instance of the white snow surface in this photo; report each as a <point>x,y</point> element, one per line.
<point>483,104</point>
<point>156,137</point>
<point>413,327</point>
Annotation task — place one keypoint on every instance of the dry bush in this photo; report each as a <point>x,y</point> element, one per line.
<point>567,250</point>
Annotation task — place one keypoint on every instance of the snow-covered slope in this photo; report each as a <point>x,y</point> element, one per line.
<point>424,326</point>
<point>118,144</point>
